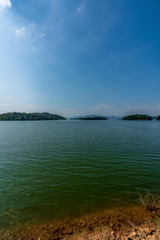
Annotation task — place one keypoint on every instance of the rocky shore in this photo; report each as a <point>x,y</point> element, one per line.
<point>118,224</point>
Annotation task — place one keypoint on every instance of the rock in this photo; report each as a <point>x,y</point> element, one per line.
<point>133,234</point>
<point>147,230</point>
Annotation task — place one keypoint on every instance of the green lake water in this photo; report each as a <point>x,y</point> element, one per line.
<point>57,169</point>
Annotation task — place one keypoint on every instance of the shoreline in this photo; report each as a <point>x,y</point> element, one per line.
<point>119,223</point>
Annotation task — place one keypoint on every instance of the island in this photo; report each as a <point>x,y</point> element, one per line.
<point>158,118</point>
<point>137,117</point>
<point>18,116</point>
<point>91,118</point>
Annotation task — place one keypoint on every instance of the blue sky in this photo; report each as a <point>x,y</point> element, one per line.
<point>80,57</point>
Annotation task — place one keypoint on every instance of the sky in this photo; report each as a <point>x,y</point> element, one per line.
<point>80,57</point>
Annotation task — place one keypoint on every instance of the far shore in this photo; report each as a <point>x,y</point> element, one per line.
<point>125,223</point>
<point>22,116</point>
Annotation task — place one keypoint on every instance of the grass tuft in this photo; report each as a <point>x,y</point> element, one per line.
<point>149,201</point>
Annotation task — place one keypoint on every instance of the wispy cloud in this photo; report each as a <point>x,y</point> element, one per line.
<point>30,32</point>
<point>141,109</point>
<point>102,109</point>
<point>21,32</point>
<point>61,20</point>
<point>5,4</point>
<point>69,112</point>
<point>4,104</point>
<point>80,8</point>
<point>105,109</point>
<point>102,106</point>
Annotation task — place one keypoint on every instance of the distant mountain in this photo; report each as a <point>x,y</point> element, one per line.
<point>82,116</point>
<point>17,116</point>
<point>91,118</point>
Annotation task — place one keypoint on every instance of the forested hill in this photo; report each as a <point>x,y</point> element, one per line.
<point>17,116</point>
<point>137,117</point>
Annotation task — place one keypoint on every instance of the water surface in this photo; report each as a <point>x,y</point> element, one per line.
<point>56,169</point>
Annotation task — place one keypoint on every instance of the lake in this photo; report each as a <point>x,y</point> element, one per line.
<point>57,169</point>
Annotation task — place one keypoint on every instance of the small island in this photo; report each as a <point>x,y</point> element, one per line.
<point>137,117</point>
<point>158,118</point>
<point>17,116</point>
<point>91,118</point>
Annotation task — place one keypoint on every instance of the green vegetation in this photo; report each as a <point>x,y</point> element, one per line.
<point>17,116</point>
<point>137,117</point>
<point>91,118</point>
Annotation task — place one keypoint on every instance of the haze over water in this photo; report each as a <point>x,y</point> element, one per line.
<point>57,169</point>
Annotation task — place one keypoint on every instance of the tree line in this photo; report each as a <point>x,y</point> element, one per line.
<point>139,117</point>
<point>17,116</point>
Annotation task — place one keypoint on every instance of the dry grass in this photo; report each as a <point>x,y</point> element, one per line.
<point>149,201</point>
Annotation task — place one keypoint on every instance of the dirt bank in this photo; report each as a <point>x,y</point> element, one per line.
<point>125,223</point>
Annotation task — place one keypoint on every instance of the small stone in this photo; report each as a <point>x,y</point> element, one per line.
<point>147,230</point>
<point>141,229</point>
<point>152,230</point>
<point>133,234</point>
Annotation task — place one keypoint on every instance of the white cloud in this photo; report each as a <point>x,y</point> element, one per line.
<point>5,3</point>
<point>21,32</point>
<point>29,31</point>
